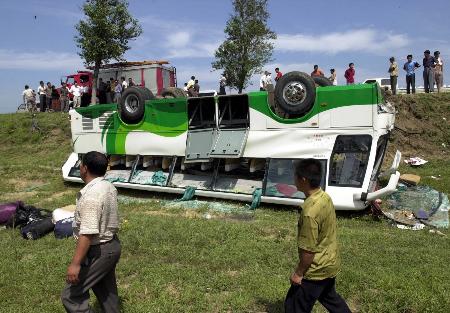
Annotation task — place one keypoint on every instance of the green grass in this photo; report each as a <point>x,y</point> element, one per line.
<point>175,260</point>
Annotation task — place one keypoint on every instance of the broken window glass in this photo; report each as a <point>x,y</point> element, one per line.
<point>280,179</point>
<point>349,160</point>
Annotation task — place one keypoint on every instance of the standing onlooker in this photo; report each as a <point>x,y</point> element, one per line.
<point>196,88</point>
<point>410,66</point>
<point>263,81</point>
<point>333,77</point>
<point>393,71</point>
<point>117,91</point>
<point>190,86</point>
<point>350,74</point>
<point>112,82</point>
<point>76,91</point>
<point>64,97</point>
<point>101,91</point>
<point>269,79</point>
<point>314,277</point>
<point>428,72</point>
<point>29,98</point>
<point>42,92</point>
<point>97,252</point>
<point>48,96</point>
<point>317,72</point>
<point>438,70</point>
<point>185,88</point>
<point>56,105</point>
<point>85,95</point>
<point>124,83</point>
<point>279,74</point>
<point>108,92</point>
<point>131,82</point>
<point>222,84</point>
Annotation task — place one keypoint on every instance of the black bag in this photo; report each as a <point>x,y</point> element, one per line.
<point>27,214</point>
<point>63,228</point>
<point>37,229</point>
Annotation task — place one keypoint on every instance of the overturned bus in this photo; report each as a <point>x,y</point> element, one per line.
<point>233,145</point>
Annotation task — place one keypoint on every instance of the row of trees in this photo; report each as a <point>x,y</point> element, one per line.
<point>105,32</point>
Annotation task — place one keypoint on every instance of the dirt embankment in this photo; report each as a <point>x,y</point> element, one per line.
<point>422,126</point>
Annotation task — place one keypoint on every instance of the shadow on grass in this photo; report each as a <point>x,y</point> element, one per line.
<point>96,307</point>
<point>272,306</point>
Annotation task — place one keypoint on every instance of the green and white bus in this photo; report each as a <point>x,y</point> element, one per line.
<point>231,146</point>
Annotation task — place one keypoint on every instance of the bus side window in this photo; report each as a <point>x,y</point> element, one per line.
<point>348,163</point>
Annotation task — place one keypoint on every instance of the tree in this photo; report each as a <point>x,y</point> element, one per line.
<point>104,34</point>
<point>248,45</point>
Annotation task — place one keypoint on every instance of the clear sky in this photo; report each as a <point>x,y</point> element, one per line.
<point>37,38</point>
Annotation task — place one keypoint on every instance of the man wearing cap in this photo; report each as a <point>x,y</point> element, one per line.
<point>428,71</point>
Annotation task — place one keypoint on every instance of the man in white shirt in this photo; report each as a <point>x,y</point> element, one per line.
<point>263,81</point>
<point>438,70</point>
<point>29,98</point>
<point>76,91</point>
<point>222,84</point>
<point>42,92</point>
<point>124,84</point>
<point>98,249</point>
<point>190,86</point>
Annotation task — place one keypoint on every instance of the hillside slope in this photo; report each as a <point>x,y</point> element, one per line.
<point>422,125</point>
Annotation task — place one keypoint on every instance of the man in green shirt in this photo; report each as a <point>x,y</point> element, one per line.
<point>315,274</point>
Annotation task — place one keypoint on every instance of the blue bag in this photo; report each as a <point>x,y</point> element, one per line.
<point>63,228</point>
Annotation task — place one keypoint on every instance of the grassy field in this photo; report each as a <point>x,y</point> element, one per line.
<point>195,259</point>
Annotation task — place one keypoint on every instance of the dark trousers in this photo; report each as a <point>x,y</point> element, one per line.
<point>394,85</point>
<point>301,298</point>
<point>97,273</point>
<point>222,90</point>
<point>102,97</point>
<point>428,79</point>
<point>85,100</point>
<point>48,102</point>
<point>411,82</point>
<point>42,103</point>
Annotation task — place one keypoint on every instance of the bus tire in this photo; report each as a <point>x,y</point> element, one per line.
<point>148,95</point>
<point>173,92</point>
<point>132,105</point>
<point>295,93</point>
<point>322,81</point>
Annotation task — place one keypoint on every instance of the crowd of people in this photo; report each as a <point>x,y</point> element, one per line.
<point>192,87</point>
<point>433,67</point>
<point>58,99</point>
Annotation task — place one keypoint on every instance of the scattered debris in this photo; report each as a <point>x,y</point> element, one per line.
<point>415,161</point>
<point>437,232</point>
<point>417,226</point>
<point>410,179</point>
<point>418,204</point>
